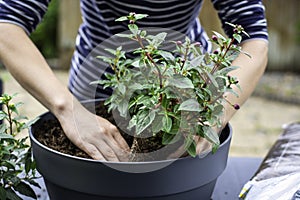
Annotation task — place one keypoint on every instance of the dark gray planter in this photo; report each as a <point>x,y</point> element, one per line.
<point>69,177</point>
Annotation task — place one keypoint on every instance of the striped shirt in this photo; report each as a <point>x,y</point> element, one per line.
<point>99,26</point>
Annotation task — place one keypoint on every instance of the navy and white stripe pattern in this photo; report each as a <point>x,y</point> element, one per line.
<point>99,24</point>
<point>248,13</point>
<point>25,13</point>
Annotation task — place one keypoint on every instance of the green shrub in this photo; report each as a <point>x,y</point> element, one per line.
<point>17,167</point>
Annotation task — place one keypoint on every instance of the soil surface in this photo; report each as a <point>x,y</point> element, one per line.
<point>51,134</point>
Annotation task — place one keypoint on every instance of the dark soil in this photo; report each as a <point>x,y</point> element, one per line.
<point>50,133</point>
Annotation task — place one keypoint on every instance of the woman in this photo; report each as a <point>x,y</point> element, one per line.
<point>100,139</point>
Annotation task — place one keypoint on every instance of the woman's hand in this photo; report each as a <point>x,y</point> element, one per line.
<point>203,147</point>
<point>94,135</point>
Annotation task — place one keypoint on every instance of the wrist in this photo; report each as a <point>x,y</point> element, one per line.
<point>62,105</point>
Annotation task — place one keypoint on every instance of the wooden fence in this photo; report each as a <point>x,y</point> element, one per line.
<point>284,33</point>
<point>283,23</point>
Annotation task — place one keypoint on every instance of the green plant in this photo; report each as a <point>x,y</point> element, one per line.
<point>17,167</point>
<point>176,94</point>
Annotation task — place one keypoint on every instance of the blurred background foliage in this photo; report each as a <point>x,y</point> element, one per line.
<point>45,36</point>
<point>298,32</point>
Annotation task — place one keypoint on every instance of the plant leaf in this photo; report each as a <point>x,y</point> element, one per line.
<point>168,138</point>
<point>120,19</point>
<point>237,37</point>
<point>167,123</point>
<point>32,182</point>
<point>226,70</point>
<point>2,115</point>
<point>215,148</point>
<point>212,79</point>
<point>6,136</point>
<point>140,16</point>
<point>25,189</point>
<point>122,35</point>
<point>123,108</point>
<point>11,195</point>
<point>157,39</point>
<point>157,124</point>
<point>2,193</point>
<point>144,121</point>
<point>218,109</point>
<point>180,82</point>
<point>122,88</point>
<point>211,135</point>
<point>166,55</point>
<point>196,62</point>
<point>192,149</point>
<point>190,105</point>
<point>133,28</point>
<point>9,164</point>
<point>219,35</point>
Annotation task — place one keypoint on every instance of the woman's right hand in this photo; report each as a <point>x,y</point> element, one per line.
<point>93,134</point>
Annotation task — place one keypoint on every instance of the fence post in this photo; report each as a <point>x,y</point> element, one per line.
<point>284,28</point>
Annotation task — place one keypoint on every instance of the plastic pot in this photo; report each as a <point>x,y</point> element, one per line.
<point>70,177</point>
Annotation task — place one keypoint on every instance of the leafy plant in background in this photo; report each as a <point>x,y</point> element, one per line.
<point>17,167</point>
<point>176,95</point>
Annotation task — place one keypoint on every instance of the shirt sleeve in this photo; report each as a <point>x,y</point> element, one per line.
<point>250,14</point>
<point>24,13</point>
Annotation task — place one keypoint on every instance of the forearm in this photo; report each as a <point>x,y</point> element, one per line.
<point>29,68</point>
<point>94,135</point>
<point>248,74</point>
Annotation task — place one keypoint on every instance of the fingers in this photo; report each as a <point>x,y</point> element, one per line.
<point>107,146</point>
<point>92,151</point>
<point>103,149</point>
<point>108,153</point>
<point>121,142</point>
<point>115,146</point>
<point>121,154</point>
<point>117,138</point>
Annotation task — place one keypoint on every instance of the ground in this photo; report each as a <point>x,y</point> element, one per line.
<point>256,125</point>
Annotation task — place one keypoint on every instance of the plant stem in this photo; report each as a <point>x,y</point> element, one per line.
<point>152,61</point>
<point>217,65</point>
<point>133,148</point>
<point>157,68</point>
<point>115,70</point>
<point>185,56</point>
<point>218,97</point>
<point>10,121</point>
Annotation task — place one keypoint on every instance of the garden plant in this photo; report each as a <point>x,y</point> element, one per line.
<point>175,95</point>
<point>17,167</point>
